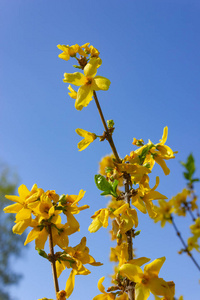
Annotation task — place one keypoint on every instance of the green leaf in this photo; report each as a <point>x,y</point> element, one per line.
<point>42,253</point>
<point>114,185</point>
<point>145,151</point>
<point>190,168</point>
<point>102,183</point>
<point>105,186</point>
<point>137,232</point>
<point>195,179</point>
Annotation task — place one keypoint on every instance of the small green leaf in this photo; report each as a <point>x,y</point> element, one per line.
<point>145,151</point>
<point>42,253</point>
<point>105,186</point>
<point>114,185</point>
<point>137,233</point>
<point>102,183</point>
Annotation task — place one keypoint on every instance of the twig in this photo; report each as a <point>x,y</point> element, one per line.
<point>53,260</point>
<point>184,244</point>
<point>130,284</point>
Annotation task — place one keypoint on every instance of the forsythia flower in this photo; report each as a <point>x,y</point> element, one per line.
<point>107,163</point>
<point>143,199</point>
<point>119,253</point>
<point>21,207</point>
<point>75,258</point>
<point>72,93</point>
<point>192,243</point>
<point>104,295</point>
<point>195,228</point>
<point>90,50</point>
<point>127,217</point>
<point>61,295</point>
<point>164,211</point>
<point>180,202</point>
<point>100,218</point>
<point>150,153</point>
<point>70,51</point>
<point>87,82</point>
<point>88,138</point>
<point>148,281</point>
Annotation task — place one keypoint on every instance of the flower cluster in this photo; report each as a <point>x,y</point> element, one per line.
<point>41,211</point>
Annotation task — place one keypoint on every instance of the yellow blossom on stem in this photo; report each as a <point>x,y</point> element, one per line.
<point>88,138</point>
<point>148,281</point>
<point>87,82</point>
<point>180,202</point>
<point>192,243</point>
<point>61,295</point>
<point>104,295</point>
<point>72,93</point>
<point>143,199</point>
<point>21,207</point>
<point>70,207</point>
<point>100,218</point>
<point>70,51</point>
<point>164,211</point>
<point>105,164</point>
<point>75,258</point>
<point>195,228</point>
<point>150,153</point>
<point>90,50</point>
<point>119,254</point>
<point>126,217</point>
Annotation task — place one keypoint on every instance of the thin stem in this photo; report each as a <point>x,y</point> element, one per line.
<point>191,214</point>
<point>109,136</point>
<point>130,284</point>
<point>53,260</point>
<point>184,244</point>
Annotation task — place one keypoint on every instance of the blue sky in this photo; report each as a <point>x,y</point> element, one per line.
<point>150,53</point>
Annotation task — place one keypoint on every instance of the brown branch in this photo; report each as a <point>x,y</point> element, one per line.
<point>184,244</point>
<point>130,285</point>
<point>53,261</point>
<point>108,135</point>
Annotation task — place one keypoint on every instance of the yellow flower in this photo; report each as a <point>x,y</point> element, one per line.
<point>72,93</point>
<point>157,153</point>
<point>21,207</point>
<point>143,199</point>
<point>75,258</point>
<point>100,218</point>
<point>195,228</point>
<point>193,243</point>
<point>104,295</point>
<point>70,51</point>
<point>107,163</point>
<point>90,50</point>
<point>127,217</point>
<point>70,207</point>
<point>87,82</point>
<point>61,295</point>
<point>148,281</point>
<point>88,138</point>
<point>164,211</point>
<point>119,253</point>
<point>180,202</point>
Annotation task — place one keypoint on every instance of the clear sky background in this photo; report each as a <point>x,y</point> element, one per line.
<point>150,52</point>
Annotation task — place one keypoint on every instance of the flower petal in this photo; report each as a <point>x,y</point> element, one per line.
<point>70,283</point>
<point>131,271</point>
<point>155,266</point>
<point>84,96</point>
<point>90,69</point>
<point>101,83</point>
<point>164,136</point>
<point>76,78</point>
<point>141,292</point>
